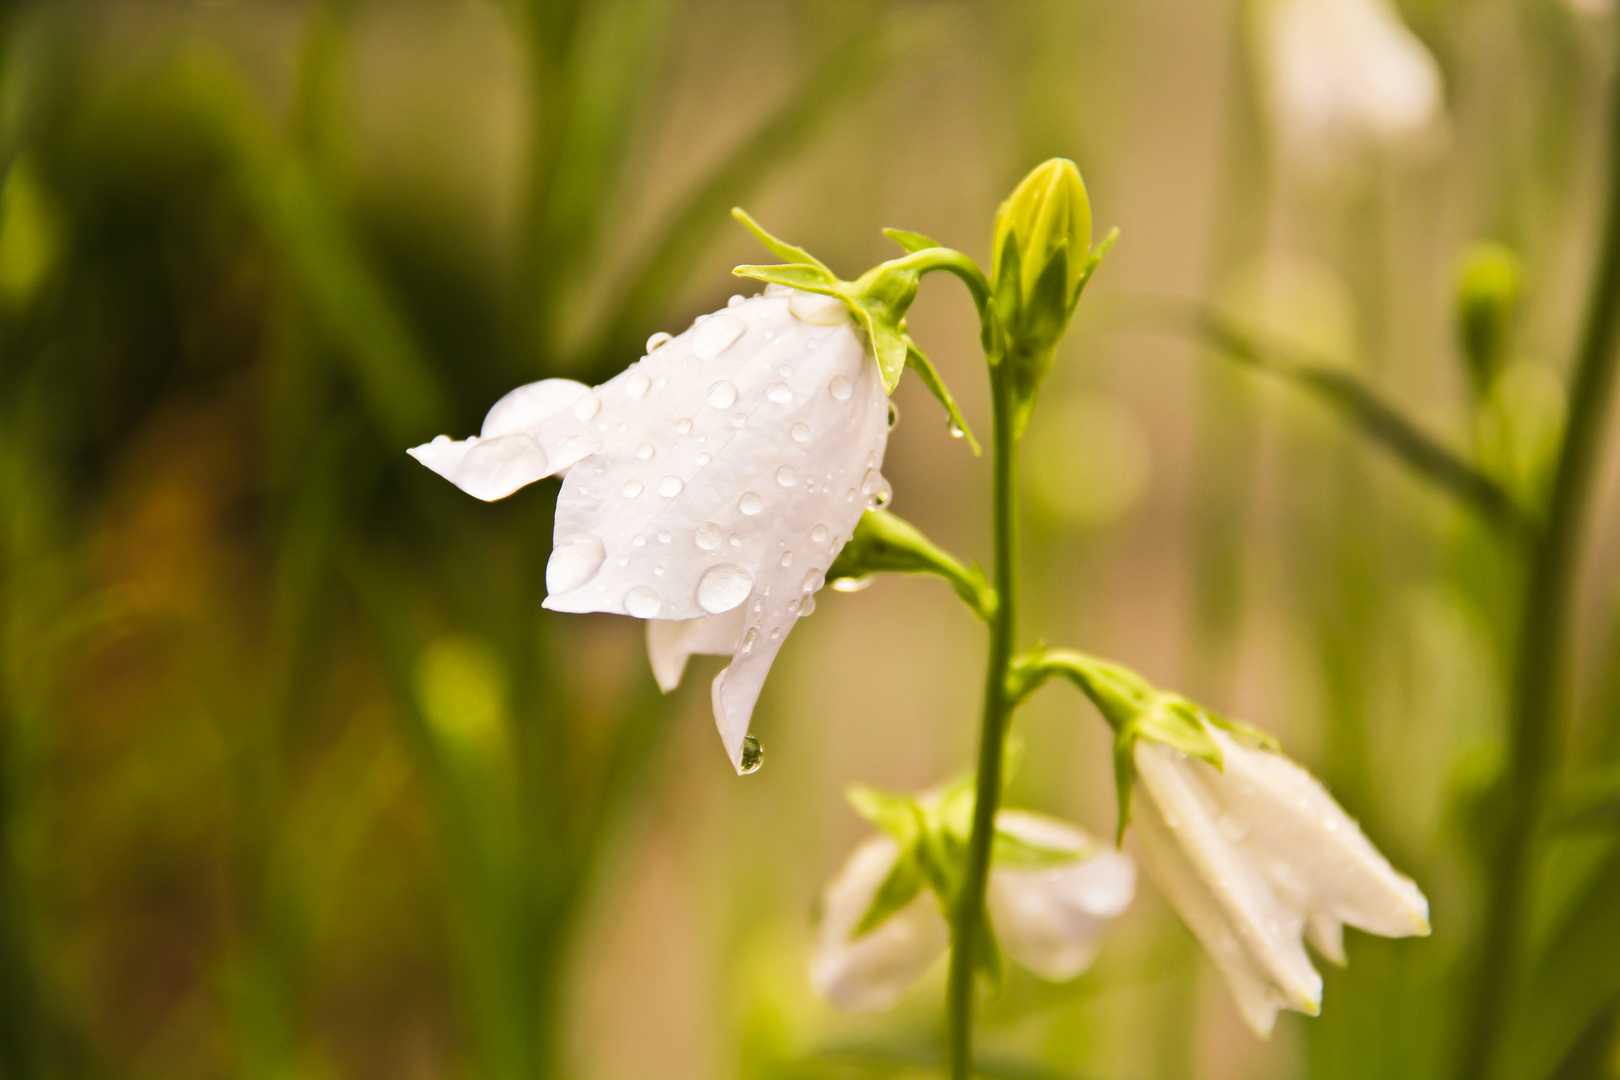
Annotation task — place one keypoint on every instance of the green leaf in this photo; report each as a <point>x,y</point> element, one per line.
<point>911,241</point>
<point>780,248</point>
<point>904,882</point>
<point>936,385</point>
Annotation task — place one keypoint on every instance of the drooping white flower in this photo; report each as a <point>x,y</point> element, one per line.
<point>1050,919</point>
<point>1257,857</point>
<point>707,488</point>
<point>1345,75</point>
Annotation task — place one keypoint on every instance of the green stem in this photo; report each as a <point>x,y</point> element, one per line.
<point>1538,718</point>
<point>967,925</point>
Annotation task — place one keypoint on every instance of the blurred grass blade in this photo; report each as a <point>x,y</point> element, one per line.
<point>844,71</point>
<point>308,231</point>
<point>1364,409</point>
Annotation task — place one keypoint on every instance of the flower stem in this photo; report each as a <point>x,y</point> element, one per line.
<point>967,923</point>
<point>1538,717</point>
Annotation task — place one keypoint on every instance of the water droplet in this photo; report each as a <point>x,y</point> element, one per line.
<point>776,635</point>
<point>787,476</point>
<point>812,344</point>
<point>784,371</point>
<point>637,384</point>
<point>819,534</point>
<point>852,584</point>
<point>766,334</point>
<point>708,536</point>
<point>738,419</point>
<point>849,496</point>
<point>787,558</point>
<point>749,639</point>
<point>586,406</point>
<point>715,336</point>
<point>808,607</point>
<point>632,488</point>
<point>658,341</point>
<point>793,605</point>
<point>750,503</point>
<point>642,602</point>
<point>722,395</point>
<point>735,300</point>
<point>813,580</point>
<point>664,538</point>
<point>735,541</point>
<point>723,587</point>
<point>954,428</point>
<point>753,756</point>
<point>840,388</point>
<point>777,289</point>
<point>670,486</point>
<point>661,382</point>
<point>876,489</point>
<point>644,451</point>
<point>639,541</point>
<point>682,426</point>
<point>573,562</point>
<point>801,432</point>
<point>779,392</point>
<point>703,459</point>
<point>894,415</point>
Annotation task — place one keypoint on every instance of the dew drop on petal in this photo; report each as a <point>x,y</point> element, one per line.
<point>808,607</point>
<point>682,426</point>
<point>644,451</point>
<point>723,587</point>
<point>670,486</point>
<point>801,432</point>
<point>812,344</point>
<point>748,640</point>
<point>658,341</point>
<point>750,503</point>
<point>640,541</point>
<point>776,635</point>
<point>735,300</point>
<point>776,288</point>
<point>632,488</point>
<point>779,392</point>
<point>840,388</point>
<point>735,541</point>
<point>722,395</point>
<point>715,336</point>
<point>787,558</point>
<point>573,562</point>
<point>813,580</point>
<point>637,385</point>
<point>703,459</point>
<point>587,406</point>
<point>642,602</point>
<point>819,534</point>
<point>753,756</point>
<point>708,536</point>
<point>876,489</point>
<point>664,538</point>
<point>787,476</point>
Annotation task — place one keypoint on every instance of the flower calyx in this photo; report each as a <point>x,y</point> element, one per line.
<point>1136,710</point>
<point>878,299</point>
<point>885,542</point>
<point>1041,260</point>
<point>1488,290</point>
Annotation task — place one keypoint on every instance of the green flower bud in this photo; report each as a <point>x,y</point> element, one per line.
<point>1487,302</point>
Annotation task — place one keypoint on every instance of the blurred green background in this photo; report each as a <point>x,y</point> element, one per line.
<point>296,778</point>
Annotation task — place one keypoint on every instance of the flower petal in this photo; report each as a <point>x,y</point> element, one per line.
<point>1220,892</point>
<point>671,643</point>
<point>870,972</point>
<point>1052,920</point>
<point>1312,851</point>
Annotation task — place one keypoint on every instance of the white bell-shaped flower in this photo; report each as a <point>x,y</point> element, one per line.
<point>1346,75</point>
<point>708,487</point>
<point>1257,857</point>
<point>1049,919</point>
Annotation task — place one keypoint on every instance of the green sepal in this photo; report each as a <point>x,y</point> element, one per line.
<point>808,278</point>
<point>930,377</point>
<point>1015,854</point>
<point>780,248</point>
<point>884,542</point>
<point>911,241</point>
<point>1093,260</point>
<point>896,815</point>
<point>900,888</point>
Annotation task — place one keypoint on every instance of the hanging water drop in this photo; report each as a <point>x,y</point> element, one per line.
<point>954,428</point>
<point>753,756</point>
<point>658,341</point>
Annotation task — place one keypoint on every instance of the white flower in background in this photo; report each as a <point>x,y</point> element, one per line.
<point>1257,857</point>
<point>708,486</point>
<point>1345,75</point>
<point>1048,918</point>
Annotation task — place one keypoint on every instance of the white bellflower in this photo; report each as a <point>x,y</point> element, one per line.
<point>707,488</point>
<point>1048,918</point>
<point>1257,858</point>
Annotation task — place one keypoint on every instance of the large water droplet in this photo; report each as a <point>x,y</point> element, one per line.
<point>894,414</point>
<point>779,392</point>
<point>819,534</point>
<point>954,428</point>
<point>753,755</point>
<point>644,451</point>
<point>636,384</point>
<point>709,536</point>
<point>808,607</point>
<point>750,503</point>
<point>658,341</point>
<point>801,432</point>
<point>736,300</point>
<point>573,562</point>
<point>722,395</point>
<point>813,580</point>
<point>631,489</point>
<point>840,388</point>
<point>787,476</point>
<point>643,603</point>
<point>715,335</point>
<point>586,406</point>
<point>723,587</point>
<point>670,486</point>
